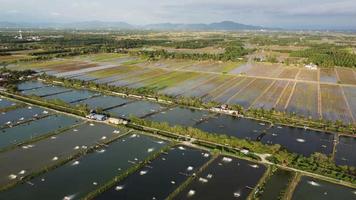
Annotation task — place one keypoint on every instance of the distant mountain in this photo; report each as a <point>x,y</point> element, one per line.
<point>225,25</point>
<point>99,25</point>
<point>220,26</point>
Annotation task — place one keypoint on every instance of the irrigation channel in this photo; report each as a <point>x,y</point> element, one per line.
<point>61,156</point>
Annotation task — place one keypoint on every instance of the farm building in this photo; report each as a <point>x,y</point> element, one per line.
<point>97,117</point>
<point>311,66</point>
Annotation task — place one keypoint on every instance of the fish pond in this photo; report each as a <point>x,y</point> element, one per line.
<point>77,178</point>
<point>161,177</point>
<point>224,178</point>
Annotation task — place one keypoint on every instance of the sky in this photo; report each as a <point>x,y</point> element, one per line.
<point>268,13</point>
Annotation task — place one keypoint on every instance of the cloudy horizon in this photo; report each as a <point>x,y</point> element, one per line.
<point>269,13</point>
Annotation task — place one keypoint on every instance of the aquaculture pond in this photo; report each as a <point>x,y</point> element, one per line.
<point>35,156</point>
<point>224,178</point>
<point>161,177</point>
<point>6,103</point>
<point>33,129</point>
<point>20,115</point>
<point>180,116</point>
<point>46,91</point>
<point>298,140</point>
<point>73,96</point>
<point>233,126</point>
<point>77,178</point>
<point>310,188</point>
<point>29,85</point>
<point>104,102</point>
<point>345,151</point>
<point>137,109</point>
<point>276,185</point>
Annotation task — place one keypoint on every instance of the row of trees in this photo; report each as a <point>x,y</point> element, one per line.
<point>327,56</point>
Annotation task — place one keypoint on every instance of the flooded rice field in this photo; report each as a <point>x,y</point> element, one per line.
<point>180,116</point>
<point>224,178</point>
<point>345,150</point>
<point>276,185</point>
<point>309,188</point>
<point>137,108</point>
<point>21,115</point>
<point>161,177</point>
<point>30,130</point>
<point>33,157</point>
<point>77,178</point>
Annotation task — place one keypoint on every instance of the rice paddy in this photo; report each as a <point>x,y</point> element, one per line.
<point>257,85</point>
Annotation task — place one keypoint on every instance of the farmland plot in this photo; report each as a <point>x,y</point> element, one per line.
<point>115,71</point>
<point>242,69</point>
<point>230,92</point>
<point>184,86</point>
<point>204,88</point>
<point>289,73</point>
<point>209,66</point>
<point>283,100</point>
<point>265,70</point>
<point>229,82</point>
<point>346,76</point>
<point>247,96</point>
<point>148,78</point>
<point>350,94</point>
<point>269,99</point>
<point>171,79</point>
<point>333,104</point>
<point>304,100</point>
<point>308,75</point>
<point>125,78</point>
<point>328,75</point>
